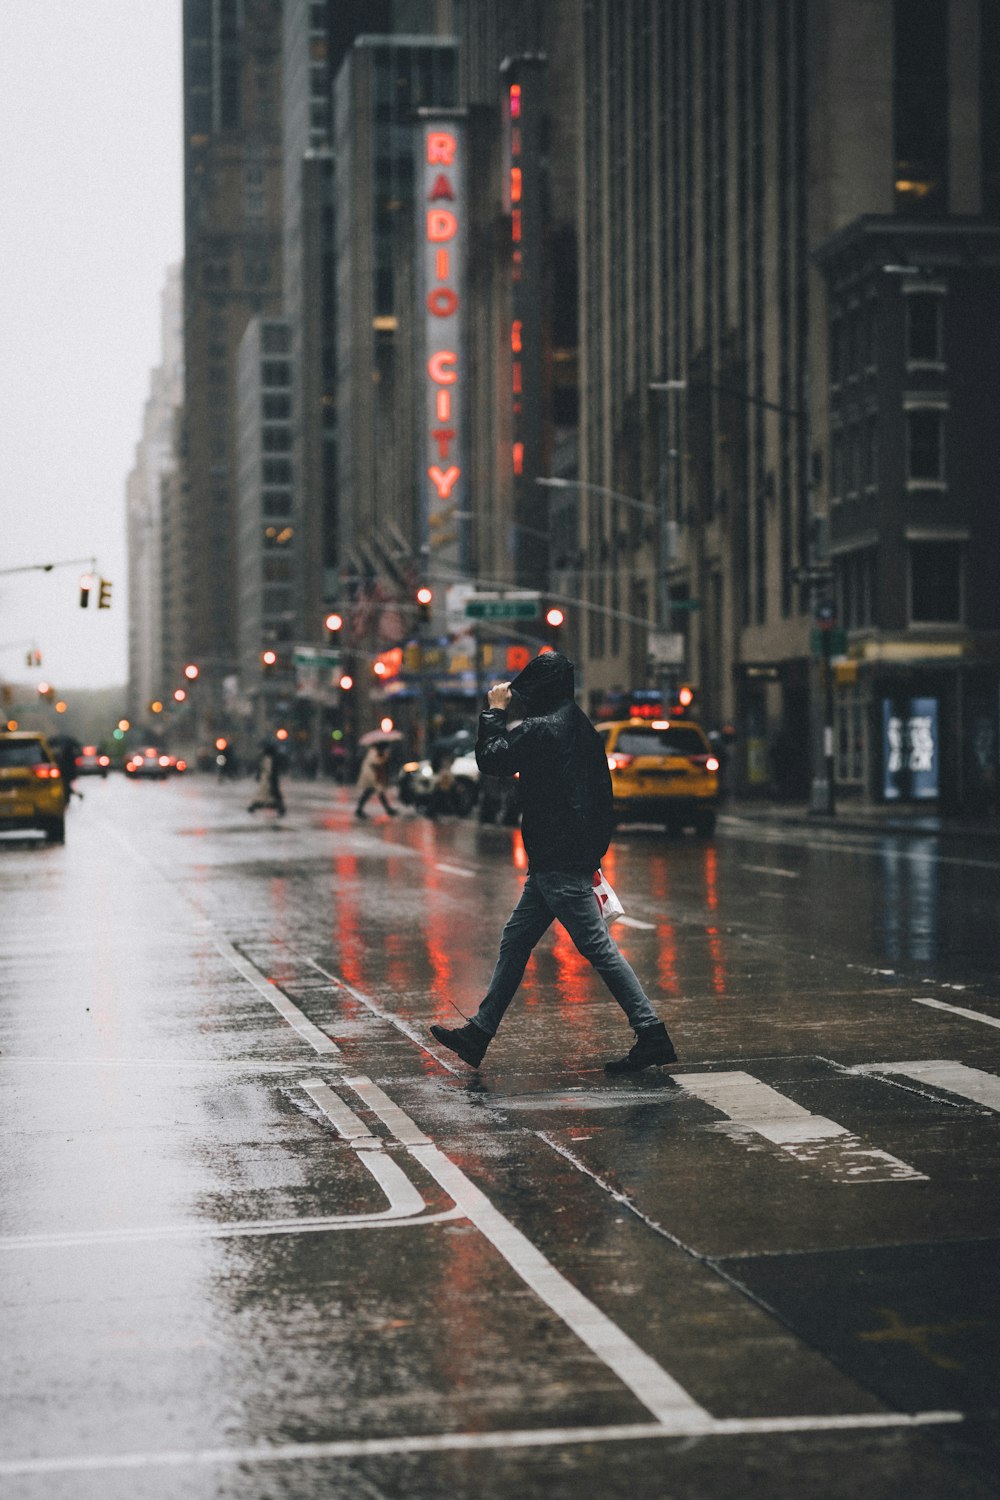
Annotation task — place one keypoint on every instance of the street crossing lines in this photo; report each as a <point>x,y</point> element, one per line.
<point>297,1019</point>
<point>757,1108</point>
<point>957,1010</point>
<point>950,1077</point>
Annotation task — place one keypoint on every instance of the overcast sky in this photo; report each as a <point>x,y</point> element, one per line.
<point>91,215</point>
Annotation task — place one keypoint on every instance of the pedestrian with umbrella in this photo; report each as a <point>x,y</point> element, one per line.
<point>373,779</point>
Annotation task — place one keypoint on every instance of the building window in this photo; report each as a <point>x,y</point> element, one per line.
<point>920,106</point>
<point>276,408</point>
<point>925,444</point>
<point>924,327</point>
<point>276,471</point>
<point>277,440</point>
<point>276,503</point>
<point>935,583</point>
<point>854,587</point>
<point>837,464</point>
<point>870,462</point>
<point>852,736</point>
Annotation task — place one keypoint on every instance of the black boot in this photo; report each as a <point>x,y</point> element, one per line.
<point>468,1042</point>
<point>652,1049</point>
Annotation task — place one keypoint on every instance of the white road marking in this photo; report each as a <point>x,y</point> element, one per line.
<point>957,1010</point>
<point>383,1014</point>
<point>232,1065</point>
<point>468,1442</point>
<point>402,1127</point>
<point>951,1077</point>
<point>404,1200</point>
<point>345,1121</point>
<point>755,1107</point>
<point>248,1229</point>
<point>634,922</point>
<point>773,870</point>
<point>456,870</point>
<point>658,1391</point>
<point>318,1040</point>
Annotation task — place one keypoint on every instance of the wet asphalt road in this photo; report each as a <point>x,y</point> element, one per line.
<point>261,1238</point>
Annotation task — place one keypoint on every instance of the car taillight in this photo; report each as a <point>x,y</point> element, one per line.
<point>164,760</point>
<point>47,773</point>
<point>105,760</point>
<point>711,764</point>
<point>619,762</point>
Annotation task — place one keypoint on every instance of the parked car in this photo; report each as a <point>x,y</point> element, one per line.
<point>417,780</point>
<point>664,771</point>
<point>32,792</point>
<point>149,764</point>
<point>90,762</point>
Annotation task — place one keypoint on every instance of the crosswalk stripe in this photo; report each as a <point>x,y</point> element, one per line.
<point>756,1108</point>
<point>957,1010</point>
<point>951,1077</point>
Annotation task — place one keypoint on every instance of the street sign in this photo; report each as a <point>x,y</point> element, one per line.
<point>828,643</point>
<point>666,648</point>
<point>522,606</point>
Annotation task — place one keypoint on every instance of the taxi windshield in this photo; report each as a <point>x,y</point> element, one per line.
<point>22,753</point>
<point>679,739</point>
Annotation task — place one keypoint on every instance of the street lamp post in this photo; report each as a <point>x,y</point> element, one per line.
<point>556,482</point>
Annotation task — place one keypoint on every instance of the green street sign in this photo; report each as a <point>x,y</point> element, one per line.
<point>501,609</point>
<point>828,643</point>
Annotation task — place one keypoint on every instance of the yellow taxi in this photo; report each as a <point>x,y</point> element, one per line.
<point>31,786</point>
<point>662,771</point>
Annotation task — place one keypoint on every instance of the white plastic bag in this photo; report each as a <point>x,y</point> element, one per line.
<point>607,900</point>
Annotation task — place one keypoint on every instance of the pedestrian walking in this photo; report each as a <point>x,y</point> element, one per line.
<point>268,790</point>
<point>374,779</point>
<point>567,822</point>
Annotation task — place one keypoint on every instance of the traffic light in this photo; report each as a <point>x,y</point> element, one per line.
<point>555,619</point>
<point>334,622</point>
<point>268,658</point>
<point>685,695</point>
<point>191,672</point>
<point>104,593</point>
<point>86,584</point>
<point>425,598</point>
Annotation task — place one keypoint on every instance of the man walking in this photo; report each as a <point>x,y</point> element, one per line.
<point>567,822</point>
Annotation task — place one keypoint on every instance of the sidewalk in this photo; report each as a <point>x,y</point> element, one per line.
<point>868,817</point>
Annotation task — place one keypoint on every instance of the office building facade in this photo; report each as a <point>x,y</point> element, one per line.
<point>232,273</point>
<point>753,178</point>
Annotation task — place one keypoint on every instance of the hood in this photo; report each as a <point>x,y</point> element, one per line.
<point>545,682</point>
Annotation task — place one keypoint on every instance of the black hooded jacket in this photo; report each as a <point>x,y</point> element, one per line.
<point>559,759</point>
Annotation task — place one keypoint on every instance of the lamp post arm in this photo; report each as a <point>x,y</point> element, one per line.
<point>553,483</point>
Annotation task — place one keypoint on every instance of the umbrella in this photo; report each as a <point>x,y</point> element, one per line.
<point>380,737</point>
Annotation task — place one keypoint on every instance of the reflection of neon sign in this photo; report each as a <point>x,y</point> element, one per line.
<point>442,231</point>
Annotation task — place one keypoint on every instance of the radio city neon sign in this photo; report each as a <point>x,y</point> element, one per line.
<point>443,301</point>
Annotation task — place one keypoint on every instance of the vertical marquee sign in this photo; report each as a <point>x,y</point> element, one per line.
<point>523,81</point>
<point>443,377</point>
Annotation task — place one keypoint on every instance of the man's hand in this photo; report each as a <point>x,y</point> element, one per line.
<point>499,695</point>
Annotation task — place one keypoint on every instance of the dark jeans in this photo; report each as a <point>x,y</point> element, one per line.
<point>567,898</point>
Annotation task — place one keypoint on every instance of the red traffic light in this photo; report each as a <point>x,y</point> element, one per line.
<point>268,658</point>
<point>685,696</point>
<point>334,621</point>
<point>425,596</point>
<point>191,672</point>
<point>555,617</point>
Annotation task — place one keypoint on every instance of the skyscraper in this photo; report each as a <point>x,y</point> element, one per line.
<point>232,272</point>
